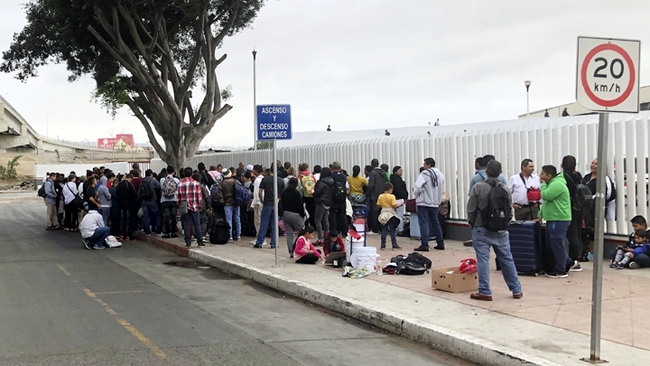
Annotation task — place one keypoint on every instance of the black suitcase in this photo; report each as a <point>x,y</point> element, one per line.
<point>527,246</point>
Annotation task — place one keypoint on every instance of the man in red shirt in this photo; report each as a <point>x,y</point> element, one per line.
<point>190,197</point>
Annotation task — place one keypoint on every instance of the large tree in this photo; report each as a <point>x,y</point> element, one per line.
<point>149,55</point>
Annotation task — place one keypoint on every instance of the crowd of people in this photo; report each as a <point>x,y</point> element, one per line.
<point>318,202</point>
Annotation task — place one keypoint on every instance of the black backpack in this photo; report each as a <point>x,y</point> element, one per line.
<point>220,232</point>
<point>41,191</point>
<point>145,192</point>
<point>340,192</point>
<point>214,196</point>
<point>498,212</point>
<point>585,202</point>
<point>414,264</point>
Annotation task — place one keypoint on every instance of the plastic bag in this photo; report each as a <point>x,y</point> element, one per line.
<point>352,272</point>
<point>112,242</point>
<point>467,266</point>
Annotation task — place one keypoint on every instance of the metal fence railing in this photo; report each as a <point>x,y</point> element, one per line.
<point>454,149</point>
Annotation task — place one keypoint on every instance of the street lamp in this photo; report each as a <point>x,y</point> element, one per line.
<point>47,125</point>
<point>527,83</point>
<point>254,103</point>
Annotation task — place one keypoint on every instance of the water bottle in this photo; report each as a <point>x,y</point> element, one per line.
<point>379,268</point>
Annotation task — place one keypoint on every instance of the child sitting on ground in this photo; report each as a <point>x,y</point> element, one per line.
<point>388,216</point>
<point>304,251</point>
<point>333,243</point>
<point>625,254</point>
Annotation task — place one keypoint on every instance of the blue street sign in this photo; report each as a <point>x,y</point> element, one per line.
<point>274,122</point>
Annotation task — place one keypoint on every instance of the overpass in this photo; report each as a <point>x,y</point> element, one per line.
<point>18,136</point>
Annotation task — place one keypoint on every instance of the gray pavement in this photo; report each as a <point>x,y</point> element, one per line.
<point>63,305</point>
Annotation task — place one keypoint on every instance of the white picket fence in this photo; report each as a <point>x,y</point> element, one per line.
<point>455,148</point>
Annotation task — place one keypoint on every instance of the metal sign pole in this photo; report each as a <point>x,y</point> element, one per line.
<point>276,230</point>
<point>597,285</point>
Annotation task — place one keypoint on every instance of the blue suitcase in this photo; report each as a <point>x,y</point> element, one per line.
<point>527,246</point>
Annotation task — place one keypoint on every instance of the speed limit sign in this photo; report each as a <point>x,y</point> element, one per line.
<point>608,74</point>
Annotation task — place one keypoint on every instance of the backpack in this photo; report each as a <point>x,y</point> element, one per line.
<point>498,213</point>
<point>242,195</point>
<point>220,232</point>
<point>169,187</point>
<point>585,202</point>
<point>41,191</point>
<point>340,192</point>
<point>214,196</point>
<point>145,192</point>
<point>413,264</point>
<point>308,184</point>
<point>613,195</point>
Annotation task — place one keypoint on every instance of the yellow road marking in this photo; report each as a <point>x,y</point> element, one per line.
<point>123,292</point>
<point>64,270</point>
<point>157,351</point>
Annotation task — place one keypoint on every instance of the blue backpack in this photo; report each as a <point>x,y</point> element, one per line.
<point>242,195</point>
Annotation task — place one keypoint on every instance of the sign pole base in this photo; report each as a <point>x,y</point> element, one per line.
<point>594,361</point>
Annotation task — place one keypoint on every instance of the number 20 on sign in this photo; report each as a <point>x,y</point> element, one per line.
<point>608,74</point>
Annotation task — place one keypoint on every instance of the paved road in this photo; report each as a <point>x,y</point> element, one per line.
<point>61,304</point>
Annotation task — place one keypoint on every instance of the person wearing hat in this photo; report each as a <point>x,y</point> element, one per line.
<point>400,192</point>
<point>227,198</point>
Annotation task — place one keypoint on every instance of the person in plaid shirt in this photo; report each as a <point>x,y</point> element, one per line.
<point>190,190</point>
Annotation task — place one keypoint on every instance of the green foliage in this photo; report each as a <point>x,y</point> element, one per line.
<point>263,145</point>
<point>10,171</point>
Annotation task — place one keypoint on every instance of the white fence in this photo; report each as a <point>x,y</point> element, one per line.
<point>455,148</point>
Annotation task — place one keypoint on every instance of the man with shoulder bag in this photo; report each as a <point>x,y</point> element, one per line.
<point>526,193</point>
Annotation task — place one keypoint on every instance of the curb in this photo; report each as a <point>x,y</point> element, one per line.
<point>449,341</point>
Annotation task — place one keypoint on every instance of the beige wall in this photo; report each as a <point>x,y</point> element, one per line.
<point>27,161</point>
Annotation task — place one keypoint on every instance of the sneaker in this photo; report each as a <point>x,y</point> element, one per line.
<point>575,267</point>
<point>613,265</point>
<point>86,244</point>
<point>467,243</point>
<point>230,240</point>
<point>421,248</point>
<point>272,246</point>
<point>382,248</point>
<point>478,296</point>
<point>590,256</point>
<point>201,244</point>
<point>518,296</point>
<point>238,239</point>
<point>635,265</point>
<point>397,247</point>
<point>174,235</point>
<point>619,266</point>
<point>439,247</point>
<point>99,247</point>
<point>257,246</point>
<point>165,236</point>
<point>557,275</point>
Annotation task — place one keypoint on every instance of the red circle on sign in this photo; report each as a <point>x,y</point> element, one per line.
<point>630,65</point>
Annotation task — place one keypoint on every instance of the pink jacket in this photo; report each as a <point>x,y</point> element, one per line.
<point>302,247</point>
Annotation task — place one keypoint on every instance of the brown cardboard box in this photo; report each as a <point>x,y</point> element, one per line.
<point>448,279</point>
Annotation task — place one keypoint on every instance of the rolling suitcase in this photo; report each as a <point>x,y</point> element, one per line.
<point>414,226</point>
<point>527,246</point>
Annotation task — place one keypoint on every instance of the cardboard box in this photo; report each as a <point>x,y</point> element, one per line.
<point>448,279</point>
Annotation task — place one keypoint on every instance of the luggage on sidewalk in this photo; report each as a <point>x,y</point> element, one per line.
<point>220,232</point>
<point>414,227</point>
<point>527,246</point>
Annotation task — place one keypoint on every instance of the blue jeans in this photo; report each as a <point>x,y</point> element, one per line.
<point>390,226</point>
<point>192,217</point>
<point>429,215</point>
<point>100,234</point>
<point>232,213</point>
<point>482,240</point>
<point>555,236</point>
<point>266,216</point>
<point>150,208</point>
<point>106,214</point>
<point>125,222</point>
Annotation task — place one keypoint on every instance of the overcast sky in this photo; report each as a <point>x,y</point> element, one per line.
<point>366,64</point>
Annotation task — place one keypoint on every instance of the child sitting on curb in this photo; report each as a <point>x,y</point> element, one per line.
<point>304,251</point>
<point>625,254</point>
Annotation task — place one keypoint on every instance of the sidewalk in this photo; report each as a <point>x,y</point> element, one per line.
<point>549,326</point>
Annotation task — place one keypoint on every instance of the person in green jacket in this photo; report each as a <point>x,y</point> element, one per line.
<point>556,210</point>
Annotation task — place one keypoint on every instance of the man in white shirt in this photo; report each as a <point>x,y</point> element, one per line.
<point>522,185</point>
<point>256,203</point>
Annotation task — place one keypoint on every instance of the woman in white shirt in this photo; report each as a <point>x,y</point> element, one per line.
<point>71,210</point>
